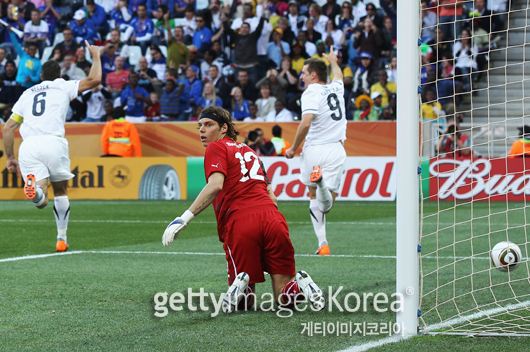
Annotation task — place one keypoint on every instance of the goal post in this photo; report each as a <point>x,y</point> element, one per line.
<point>407,202</point>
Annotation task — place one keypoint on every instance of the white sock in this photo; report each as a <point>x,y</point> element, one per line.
<point>39,197</point>
<point>61,208</point>
<point>324,197</point>
<point>319,222</point>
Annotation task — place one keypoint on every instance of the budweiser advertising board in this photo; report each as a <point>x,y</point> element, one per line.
<point>479,179</point>
<point>364,178</point>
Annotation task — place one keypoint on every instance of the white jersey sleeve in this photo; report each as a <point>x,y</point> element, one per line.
<point>310,100</point>
<point>43,107</point>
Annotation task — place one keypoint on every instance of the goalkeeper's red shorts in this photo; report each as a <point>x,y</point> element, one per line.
<point>256,242</point>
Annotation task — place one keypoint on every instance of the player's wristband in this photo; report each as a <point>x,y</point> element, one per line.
<point>187,216</point>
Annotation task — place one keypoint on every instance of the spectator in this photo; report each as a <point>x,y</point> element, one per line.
<point>36,31</point>
<point>209,60</point>
<point>369,40</point>
<point>464,53</point>
<point>51,15</point>
<point>347,46</point>
<point>134,97</point>
<point>521,147</point>
<point>153,112</point>
<point>490,23</point>
<point>3,59</point>
<point>83,28</point>
<point>320,19</point>
<point>364,76</point>
<point>384,87</point>
<point>171,106</point>
<point>143,29</point>
<point>147,77</point>
<point>122,49</point>
<point>158,61</point>
<point>454,144</point>
<point>266,103</point>
<point>296,21</point>
<point>346,18</point>
<point>277,86</point>
<point>57,55</point>
<point>389,6</point>
<point>280,144</point>
<point>29,67</point>
<point>257,142</point>
<point>120,137</point>
<point>428,22</point>
<point>189,24</point>
<point>378,107</point>
<point>209,98</point>
<point>249,91</point>
<point>180,8</point>
<point>280,113</point>
<point>108,58</point>
<point>245,51</point>
<point>389,47</point>
<point>253,110</point>
<point>98,16</point>
<point>122,16</point>
<point>70,71</point>
<point>287,34</point>
<point>277,7</point>
<point>133,5</point>
<point>10,80</point>
<point>17,23</point>
<point>159,37</point>
<point>115,80</point>
<point>193,85</point>
<point>222,89</point>
<point>482,40</point>
<point>202,38</point>
<point>298,56</point>
<point>311,33</point>
<point>95,99</point>
<point>390,113</point>
<point>7,99</point>
<point>109,108</point>
<point>321,49</point>
<point>450,11</point>
<point>178,54</point>
<point>331,9</point>
<point>24,8</point>
<point>81,61</point>
<point>364,110</point>
<point>240,106</point>
<point>334,33</point>
<point>277,48</point>
<point>431,109</point>
<point>291,78</point>
<point>153,7</point>
<point>445,92</point>
<point>310,48</point>
<point>448,68</point>
<point>371,13</point>
<point>69,45</point>
<point>391,71</point>
<point>440,47</point>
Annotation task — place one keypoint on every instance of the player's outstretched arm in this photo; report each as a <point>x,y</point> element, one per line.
<point>94,77</point>
<point>203,200</point>
<point>335,68</point>
<point>301,133</point>
<point>9,140</point>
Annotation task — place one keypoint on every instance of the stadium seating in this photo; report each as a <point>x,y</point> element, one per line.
<point>135,52</point>
<point>46,53</point>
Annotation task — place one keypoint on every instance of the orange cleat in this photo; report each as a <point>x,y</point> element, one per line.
<point>61,246</point>
<point>316,175</point>
<point>29,188</point>
<point>324,250</point>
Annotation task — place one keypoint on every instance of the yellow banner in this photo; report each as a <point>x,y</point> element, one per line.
<point>115,178</point>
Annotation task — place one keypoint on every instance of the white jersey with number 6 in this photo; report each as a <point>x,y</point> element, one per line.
<point>326,103</point>
<point>43,107</point>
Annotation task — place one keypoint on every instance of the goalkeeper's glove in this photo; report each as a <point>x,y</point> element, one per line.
<point>176,226</point>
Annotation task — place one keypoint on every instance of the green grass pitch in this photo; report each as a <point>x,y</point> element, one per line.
<point>101,299</point>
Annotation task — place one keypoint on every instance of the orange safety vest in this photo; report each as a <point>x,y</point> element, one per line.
<point>121,138</point>
<point>519,148</point>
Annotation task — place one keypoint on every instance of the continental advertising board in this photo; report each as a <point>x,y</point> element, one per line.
<point>115,178</point>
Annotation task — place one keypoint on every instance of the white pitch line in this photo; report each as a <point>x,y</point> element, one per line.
<point>373,344</point>
<point>195,222</point>
<point>36,256</point>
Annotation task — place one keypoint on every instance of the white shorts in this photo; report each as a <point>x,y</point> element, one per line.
<point>330,157</point>
<point>45,157</point>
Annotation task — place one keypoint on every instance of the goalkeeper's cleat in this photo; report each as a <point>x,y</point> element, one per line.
<point>316,175</point>
<point>29,188</point>
<point>235,292</point>
<point>61,246</point>
<point>323,250</point>
<point>312,292</point>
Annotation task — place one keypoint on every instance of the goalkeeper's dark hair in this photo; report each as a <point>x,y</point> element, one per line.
<point>50,70</point>
<point>226,117</point>
<point>319,66</point>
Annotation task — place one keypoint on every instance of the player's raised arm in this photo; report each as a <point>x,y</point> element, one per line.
<point>335,68</point>
<point>94,77</point>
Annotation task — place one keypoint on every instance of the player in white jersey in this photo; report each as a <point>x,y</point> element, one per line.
<point>323,127</point>
<point>43,154</point>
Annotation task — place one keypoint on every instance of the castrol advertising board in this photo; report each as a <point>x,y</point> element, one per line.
<point>364,178</point>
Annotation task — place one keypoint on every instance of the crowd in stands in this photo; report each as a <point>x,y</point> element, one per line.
<point>166,60</point>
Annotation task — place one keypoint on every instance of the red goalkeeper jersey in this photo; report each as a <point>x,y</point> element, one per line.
<point>245,186</point>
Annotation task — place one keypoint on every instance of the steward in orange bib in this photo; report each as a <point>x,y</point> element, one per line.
<point>521,147</point>
<point>120,137</point>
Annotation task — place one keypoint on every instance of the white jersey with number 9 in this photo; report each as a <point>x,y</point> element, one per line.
<point>44,106</point>
<point>326,103</point>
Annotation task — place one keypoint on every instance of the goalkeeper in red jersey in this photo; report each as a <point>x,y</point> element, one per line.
<point>255,238</point>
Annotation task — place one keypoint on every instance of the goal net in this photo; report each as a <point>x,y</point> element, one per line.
<point>472,195</point>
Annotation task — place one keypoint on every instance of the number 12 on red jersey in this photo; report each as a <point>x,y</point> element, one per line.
<point>243,159</point>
